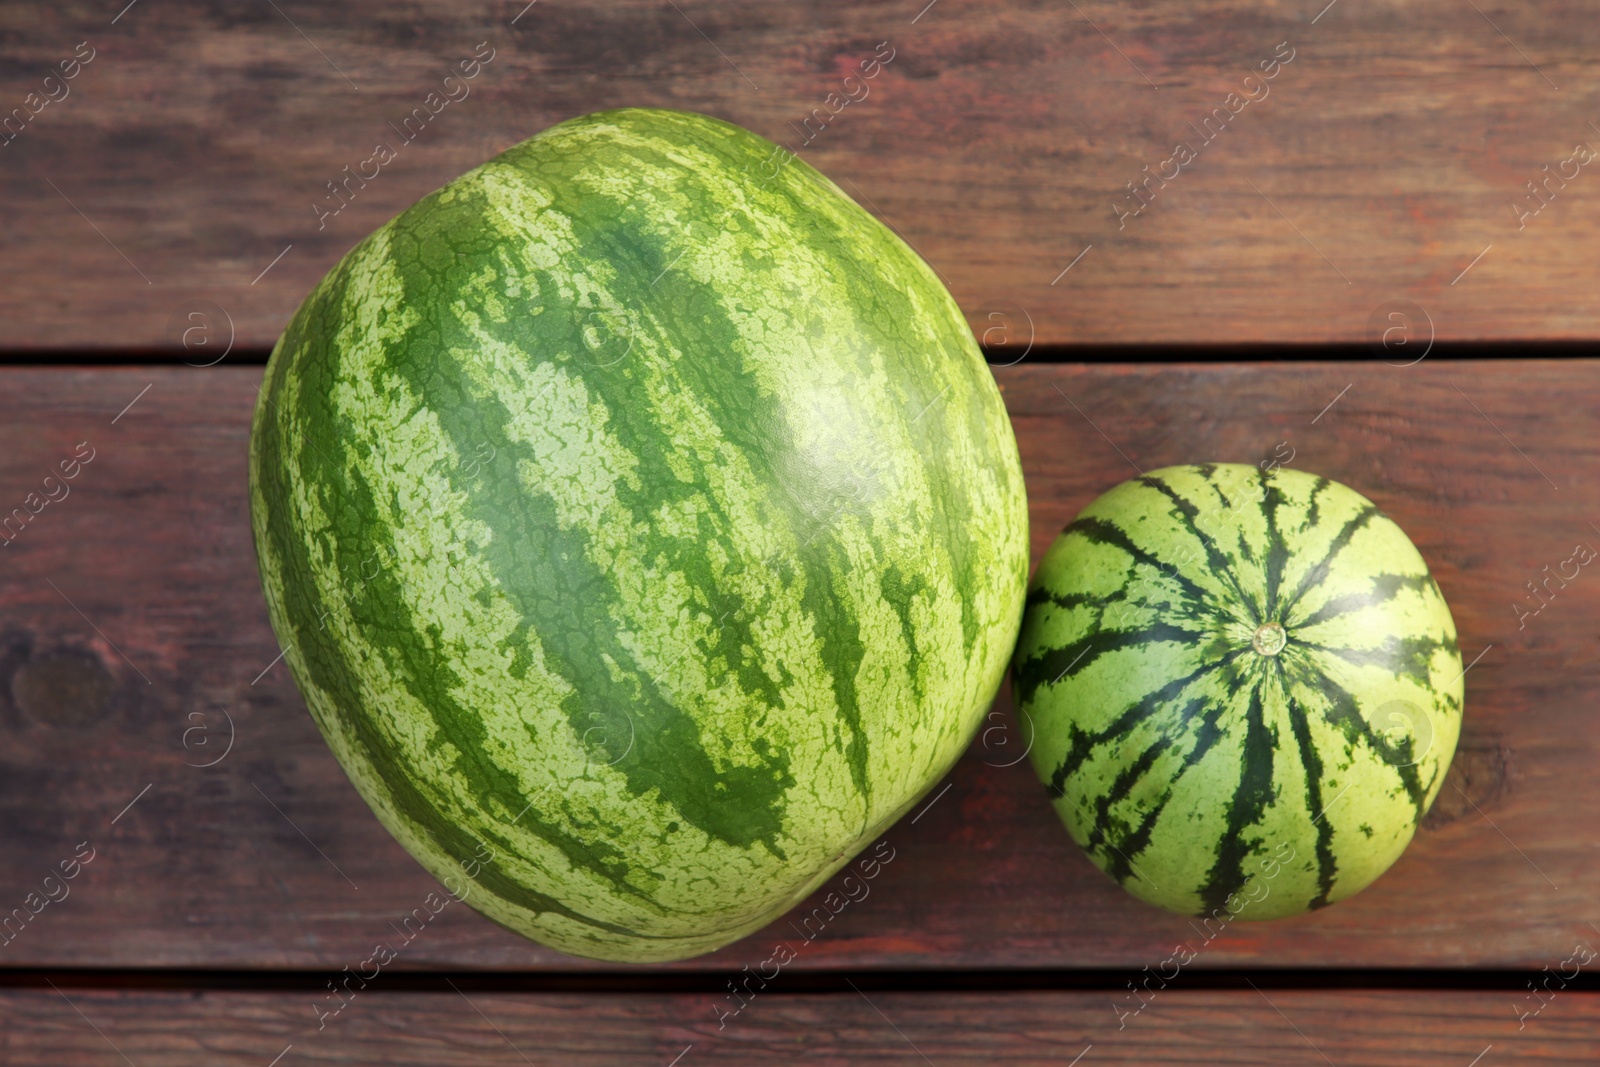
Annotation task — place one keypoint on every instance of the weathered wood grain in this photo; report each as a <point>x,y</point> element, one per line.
<point>134,632</point>
<point>70,1027</point>
<point>1384,160</point>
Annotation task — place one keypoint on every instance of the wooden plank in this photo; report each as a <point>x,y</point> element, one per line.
<point>70,1026</point>
<point>135,632</point>
<point>1385,159</point>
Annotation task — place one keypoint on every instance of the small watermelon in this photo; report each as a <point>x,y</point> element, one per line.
<point>644,530</point>
<point>1243,685</point>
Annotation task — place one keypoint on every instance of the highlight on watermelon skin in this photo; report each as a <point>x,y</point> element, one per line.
<point>1243,686</point>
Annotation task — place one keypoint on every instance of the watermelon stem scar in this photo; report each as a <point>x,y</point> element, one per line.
<point>1269,639</point>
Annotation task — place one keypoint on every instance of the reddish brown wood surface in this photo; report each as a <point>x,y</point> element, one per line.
<point>71,1027</point>
<point>134,633</point>
<point>1384,162</point>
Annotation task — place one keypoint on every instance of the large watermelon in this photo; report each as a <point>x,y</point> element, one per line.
<point>1244,688</point>
<point>642,515</point>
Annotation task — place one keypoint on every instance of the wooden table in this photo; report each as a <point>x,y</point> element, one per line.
<point>162,215</point>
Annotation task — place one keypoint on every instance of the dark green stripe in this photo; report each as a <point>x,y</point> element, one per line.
<point>1050,666</point>
<point>1405,657</point>
<point>1082,743</point>
<point>1042,595</point>
<point>1101,532</point>
<point>1311,761</point>
<point>1117,856</point>
<point>1385,587</point>
<point>1200,717</point>
<point>1319,573</point>
<point>1272,499</point>
<point>1208,471</point>
<point>1313,504</point>
<point>1186,511</point>
<point>1254,793</point>
<point>1344,713</point>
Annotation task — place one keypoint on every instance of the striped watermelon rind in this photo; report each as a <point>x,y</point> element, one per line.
<point>658,529</point>
<point>1220,663</point>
